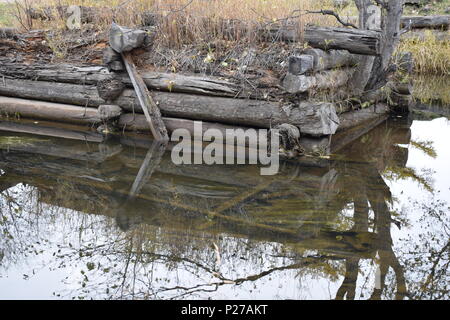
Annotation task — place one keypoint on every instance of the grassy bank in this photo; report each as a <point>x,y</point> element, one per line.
<point>184,25</point>
<point>6,18</point>
<point>431,56</point>
<point>429,88</point>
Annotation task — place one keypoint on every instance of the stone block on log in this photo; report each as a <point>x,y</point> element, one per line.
<point>124,39</point>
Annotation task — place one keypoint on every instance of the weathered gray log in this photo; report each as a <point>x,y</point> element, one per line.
<point>351,119</point>
<point>52,92</point>
<point>366,42</point>
<point>48,111</point>
<point>312,118</point>
<point>357,41</point>
<point>324,80</point>
<point>113,59</point>
<point>109,111</point>
<point>326,60</point>
<point>148,105</point>
<point>430,22</point>
<point>301,64</point>
<point>137,122</point>
<point>172,82</point>
<point>65,73</point>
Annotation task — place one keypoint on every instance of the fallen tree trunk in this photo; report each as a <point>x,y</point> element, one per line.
<point>324,80</point>
<point>429,22</point>
<point>365,42</point>
<point>312,118</point>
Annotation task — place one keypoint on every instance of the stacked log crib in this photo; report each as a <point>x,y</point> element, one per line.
<point>316,92</point>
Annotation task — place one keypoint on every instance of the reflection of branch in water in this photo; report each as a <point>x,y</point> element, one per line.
<point>425,146</point>
<point>224,281</point>
<point>396,173</point>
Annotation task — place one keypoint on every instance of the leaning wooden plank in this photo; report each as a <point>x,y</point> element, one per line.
<point>151,162</point>
<point>151,110</point>
<point>313,118</point>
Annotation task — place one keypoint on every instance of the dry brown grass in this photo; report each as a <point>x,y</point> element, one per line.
<point>184,20</point>
<point>431,56</point>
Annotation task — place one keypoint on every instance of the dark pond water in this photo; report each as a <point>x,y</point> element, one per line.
<point>370,222</point>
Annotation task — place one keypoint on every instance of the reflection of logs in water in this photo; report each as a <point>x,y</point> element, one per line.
<point>299,206</point>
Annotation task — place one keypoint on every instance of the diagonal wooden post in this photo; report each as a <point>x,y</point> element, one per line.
<point>151,110</point>
<point>123,40</point>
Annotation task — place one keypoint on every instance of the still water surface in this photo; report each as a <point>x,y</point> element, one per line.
<point>371,222</point>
